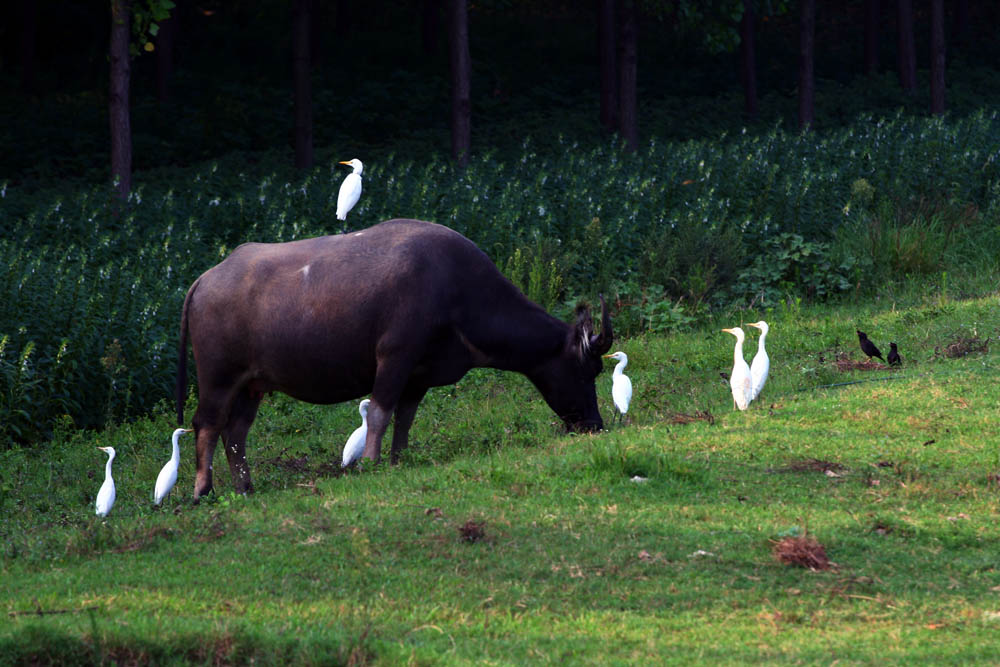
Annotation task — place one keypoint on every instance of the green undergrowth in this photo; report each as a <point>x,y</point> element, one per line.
<point>500,539</point>
<point>675,235</point>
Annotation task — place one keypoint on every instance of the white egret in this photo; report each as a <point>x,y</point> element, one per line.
<point>739,379</point>
<point>350,189</point>
<point>168,474</point>
<point>106,496</point>
<point>761,362</point>
<point>621,385</point>
<point>356,443</point>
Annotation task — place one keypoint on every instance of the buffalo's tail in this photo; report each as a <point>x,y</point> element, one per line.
<point>182,356</point>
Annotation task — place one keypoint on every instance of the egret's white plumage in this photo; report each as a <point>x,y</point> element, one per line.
<point>739,379</point>
<point>356,443</point>
<point>168,474</point>
<point>621,385</point>
<point>106,496</point>
<point>350,189</point>
<point>761,362</point>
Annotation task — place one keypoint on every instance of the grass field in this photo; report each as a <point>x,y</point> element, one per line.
<point>501,540</point>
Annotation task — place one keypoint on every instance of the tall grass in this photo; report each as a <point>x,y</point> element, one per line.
<point>90,300</point>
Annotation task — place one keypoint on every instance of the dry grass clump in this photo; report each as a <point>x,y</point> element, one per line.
<point>965,346</point>
<point>472,531</point>
<point>801,551</point>
<point>682,418</point>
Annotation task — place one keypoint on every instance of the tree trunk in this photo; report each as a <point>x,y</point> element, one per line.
<point>165,39</point>
<point>906,52</point>
<point>628,111</point>
<point>430,26</point>
<point>807,81</point>
<point>461,74</point>
<point>748,59</point>
<point>26,45</point>
<point>608,65</point>
<point>873,15</point>
<point>303,90</point>
<point>118,99</point>
<point>937,57</point>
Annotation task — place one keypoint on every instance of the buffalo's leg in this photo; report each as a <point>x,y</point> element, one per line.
<point>234,437</point>
<point>390,379</point>
<point>205,438</point>
<point>378,422</point>
<point>209,420</point>
<point>406,410</point>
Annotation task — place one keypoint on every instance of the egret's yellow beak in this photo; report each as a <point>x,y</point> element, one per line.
<point>188,430</point>
<point>344,162</point>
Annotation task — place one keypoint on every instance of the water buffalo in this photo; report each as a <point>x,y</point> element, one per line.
<point>389,311</point>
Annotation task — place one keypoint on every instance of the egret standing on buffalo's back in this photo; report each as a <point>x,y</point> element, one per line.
<point>350,189</point>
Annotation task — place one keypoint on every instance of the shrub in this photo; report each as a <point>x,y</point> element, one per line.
<point>788,263</point>
<point>90,301</point>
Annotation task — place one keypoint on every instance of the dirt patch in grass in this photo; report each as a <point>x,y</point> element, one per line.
<point>292,464</point>
<point>143,541</point>
<point>472,530</point>
<point>213,532</point>
<point>845,365</point>
<point>811,465</point>
<point>962,347</point>
<point>801,551</point>
<point>330,469</point>
<point>683,418</point>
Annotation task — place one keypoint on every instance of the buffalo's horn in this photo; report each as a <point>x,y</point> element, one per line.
<point>583,331</point>
<point>601,343</point>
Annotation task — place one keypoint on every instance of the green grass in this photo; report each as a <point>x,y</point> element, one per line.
<point>579,564</point>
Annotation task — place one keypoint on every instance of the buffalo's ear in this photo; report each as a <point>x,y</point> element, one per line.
<point>600,344</point>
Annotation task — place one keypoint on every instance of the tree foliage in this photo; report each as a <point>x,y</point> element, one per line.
<point>146,17</point>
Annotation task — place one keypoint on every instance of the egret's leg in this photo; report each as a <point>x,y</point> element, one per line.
<point>234,438</point>
<point>406,410</point>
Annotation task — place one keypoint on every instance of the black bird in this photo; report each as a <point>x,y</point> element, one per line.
<point>868,347</point>
<point>894,359</point>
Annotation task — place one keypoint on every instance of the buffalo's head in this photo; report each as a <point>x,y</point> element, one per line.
<point>567,379</point>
